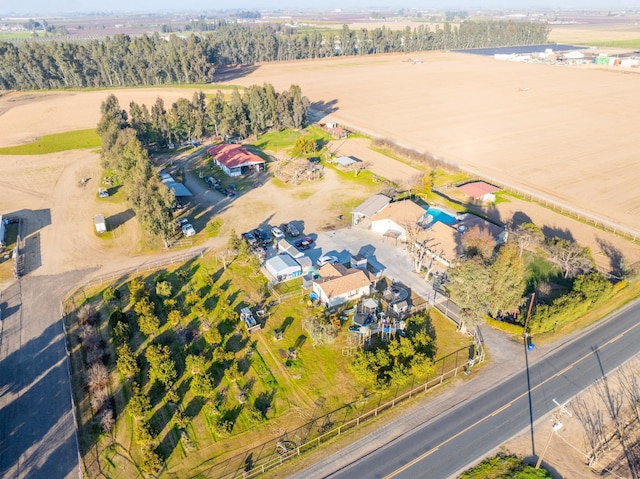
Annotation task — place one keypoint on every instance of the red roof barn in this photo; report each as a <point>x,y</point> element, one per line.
<point>234,160</point>
<point>479,191</point>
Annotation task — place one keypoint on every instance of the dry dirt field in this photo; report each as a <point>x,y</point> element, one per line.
<point>570,137</point>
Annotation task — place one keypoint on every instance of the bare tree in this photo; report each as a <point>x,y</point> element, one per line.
<point>613,399</point>
<point>592,421</point>
<point>97,376</point>
<point>416,245</point>
<point>631,388</point>
<point>526,236</point>
<point>226,256</point>
<point>479,242</point>
<point>572,258</point>
<point>107,421</point>
<point>320,331</point>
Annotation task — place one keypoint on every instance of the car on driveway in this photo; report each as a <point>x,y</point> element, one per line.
<point>250,238</point>
<point>262,236</point>
<point>304,243</point>
<point>277,233</point>
<point>290,229</point>
<point>188,230</point>
<point>326,259</point>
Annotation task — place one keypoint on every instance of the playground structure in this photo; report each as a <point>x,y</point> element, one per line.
<point>250,322</point>
<point>368,321</point>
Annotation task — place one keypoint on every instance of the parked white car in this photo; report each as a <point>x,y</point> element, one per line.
<point>277,233</point>
<point>326,259</point>
<point>188,230</point>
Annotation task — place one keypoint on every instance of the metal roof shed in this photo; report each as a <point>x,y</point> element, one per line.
<point>283,267</point>
<point>369,207</point>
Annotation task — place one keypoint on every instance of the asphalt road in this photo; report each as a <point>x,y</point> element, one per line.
<point>37,430</point>
<point>445,445</point>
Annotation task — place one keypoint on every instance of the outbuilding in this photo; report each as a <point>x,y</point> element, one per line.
<point>283,267</point>
<point>369,208</point>
<point>100,224</point>
<point>179,190</point>
<point>480,191</point>
<point>235,159</point>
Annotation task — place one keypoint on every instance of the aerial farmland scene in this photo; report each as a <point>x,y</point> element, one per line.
<point>312,241</point>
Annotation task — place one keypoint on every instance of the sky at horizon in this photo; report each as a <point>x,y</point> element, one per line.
<point>44,7</point>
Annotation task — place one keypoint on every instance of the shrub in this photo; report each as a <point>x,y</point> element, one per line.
<point>505,326</point>
<point>126,361</point>
<point>97,376</point>
<point>191,298</point>
<point>106,420</point>
<point>151,462</point>
<point>139,405</point>
<point>163,289</point>
<point>143,433</point>
<point>137,290</point>
<point>169,304</point>
<point>117,316</point>
<point>149,324</point>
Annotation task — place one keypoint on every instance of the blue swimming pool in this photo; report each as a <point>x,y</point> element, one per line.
<point>439,215</point>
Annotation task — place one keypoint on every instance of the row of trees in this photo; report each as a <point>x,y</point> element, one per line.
<point>254,111</point>
<point>154,60</point>
<point>124,154</point>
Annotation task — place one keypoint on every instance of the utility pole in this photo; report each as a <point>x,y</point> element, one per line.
<point>526,321</point>
<point>557,425</point>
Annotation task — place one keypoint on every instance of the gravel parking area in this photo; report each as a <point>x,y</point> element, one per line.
<point>382,254</point>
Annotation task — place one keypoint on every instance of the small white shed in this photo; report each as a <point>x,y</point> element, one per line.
<point>100,224</point>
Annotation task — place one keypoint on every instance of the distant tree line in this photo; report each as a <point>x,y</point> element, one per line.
<point>122,60</point>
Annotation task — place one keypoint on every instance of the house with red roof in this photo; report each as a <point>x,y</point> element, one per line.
<point>480,191</point>
<point>235,160</point>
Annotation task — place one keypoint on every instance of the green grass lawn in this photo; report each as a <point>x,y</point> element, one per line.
<point>629,43</point>
<point>13,35</point>
<point>277,140</point>
<point>70,140</point>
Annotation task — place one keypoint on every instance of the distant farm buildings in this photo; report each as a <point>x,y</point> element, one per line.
<point>235,160</point>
